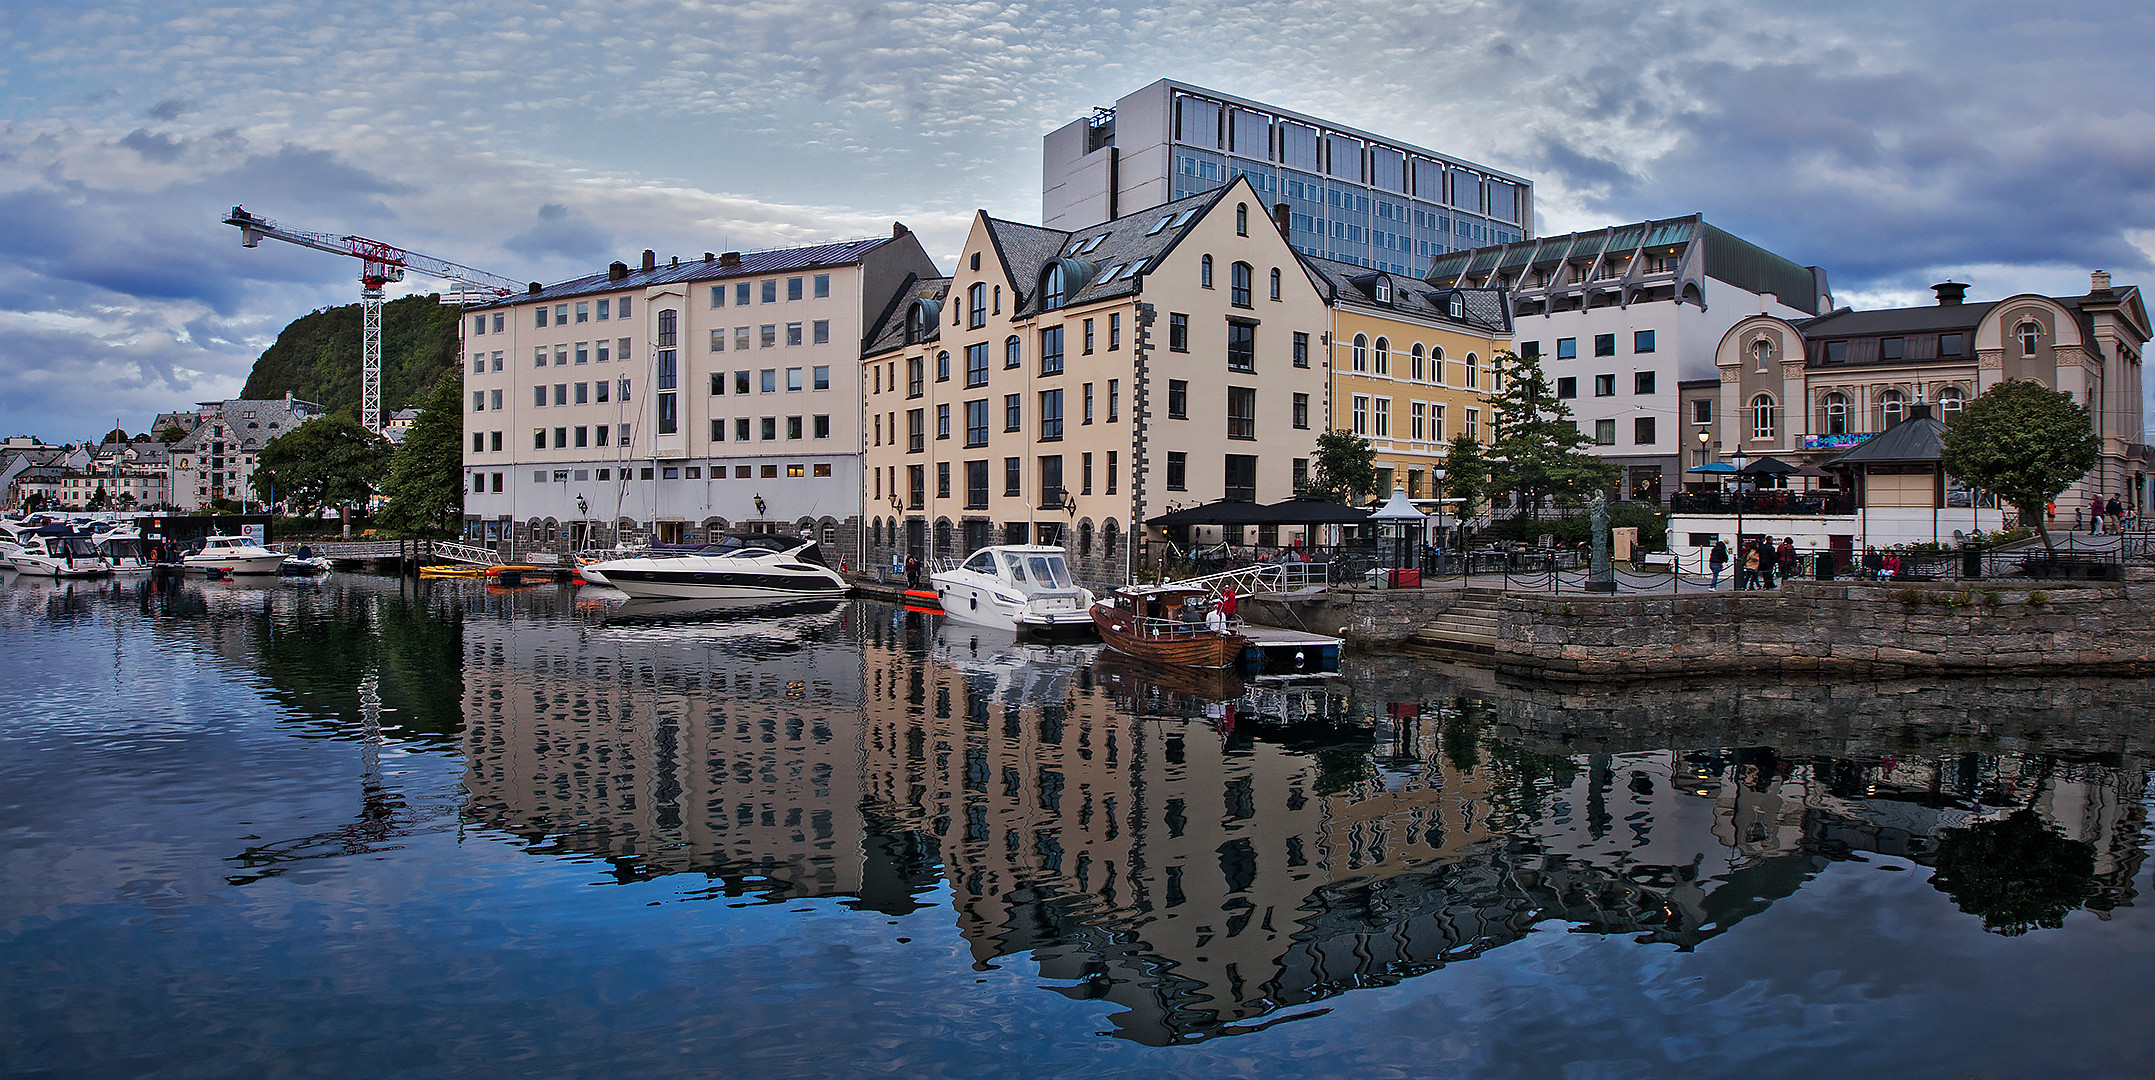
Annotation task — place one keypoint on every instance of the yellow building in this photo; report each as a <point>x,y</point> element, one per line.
<point>1410,367</point>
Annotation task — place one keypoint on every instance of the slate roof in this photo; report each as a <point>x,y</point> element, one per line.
<point>272,418</point>
<point>1926,319</point>
<point>842,253</point>
<point>1096,249</point>
<point>889,330</point>
<point>1485,309</point>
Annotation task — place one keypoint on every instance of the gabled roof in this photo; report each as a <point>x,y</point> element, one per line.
<point>777,260</point>
<point>888,332</point>
<point>1916,440</point>
<point>1097,249</point>
<point>1482,309</point>
<point>1929,318</point>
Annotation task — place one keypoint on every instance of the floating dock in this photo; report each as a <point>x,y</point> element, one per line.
<point>1274,651</point>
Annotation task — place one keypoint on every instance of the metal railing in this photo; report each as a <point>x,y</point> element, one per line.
<point>1767,503</point>
<point>466,553</point>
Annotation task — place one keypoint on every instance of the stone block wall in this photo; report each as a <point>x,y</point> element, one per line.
<point>1837,629</point>
<point>1364,618</point>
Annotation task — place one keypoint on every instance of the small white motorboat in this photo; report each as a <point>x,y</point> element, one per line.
<point>234,553</point>
<point>1015,587</point>
<point>127,551</point>
<point>55,551</point>
<point>758,565</point>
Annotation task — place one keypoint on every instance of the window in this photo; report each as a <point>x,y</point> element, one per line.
<point>1242,219</point>
<point>1114,331</point>
<point>1114,400</point>
<point>1604,344</point>
<point>942,479</point>
<point>1567,386</point>
<point>1301,475</point>
<point>1642,430</point>
<point>1892,408</point>
<point>1086,407</point>
<point>1204,272</point>
<point>822,286</point>
<point>2027,332</point>
<point>1702,411</point>
<point>1178,399</point>
<point>1301,349</point>
<point>1241,477</point>
<point>1051,415</point>
<point>1301,412</point>
<point>1382,291</point>
<point>1112,470</point>
<point>1892,348</point>
<point>770,291</point>
<point>1436,364</point>
<point>976,485</point>
<point>976,364</point>
<point>1567,348</point>
<point>1383,357</point>
<point>821,374</point>
<point>541,309</point>
<point>1359,359</point>
<point>916,437</point>
<point>1382,426</point>
<point>1642,341</point>
<point>1241,345</point>
<point>976,302</point>
<point>1013,352</point>
<point>1604,433</point>
<point>768,428</point>
<point>1051,350</point>
<point>1052,491</point>
<point>1238,284</point>
<point>740,294</point>
<point>1054,286</point>
<point>976,422</point>
<point>1013,476</point>
<point>538,396</point>
<point>740,429</point>
<point>1762,426</point>
<point>915,377</point>
<point>583,393</point>
<point>1474,424</point>
<point>1836,414</point>
<point>1013,412</point>
<point>1178,332</point>
<point>942,422</point>
<point>1178,470</point>
<point>1415,368</point>
<point>1949,344</point>
<point>1275,283</point>
<point>1642,382</point>
<point>823,426</point>
<point>1950,401</point>
<point>1361,414</point>
<point>1241,412</point>
<point>767,335</point>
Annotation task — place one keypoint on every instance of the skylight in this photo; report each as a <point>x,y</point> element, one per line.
<point>1185,217</point>
<point>1158,225</point>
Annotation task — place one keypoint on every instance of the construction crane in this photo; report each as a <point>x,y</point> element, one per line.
<point>380,264</point>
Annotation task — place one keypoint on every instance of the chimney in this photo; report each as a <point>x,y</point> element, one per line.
<point>731,258</point>
<point>2099,282</point>
<point>1921,410</point>
<point>676,261</point>
<point>1950,294</point>
<point>533,288</point>
<point>617,271</point>
<point>707,256</point>
<point>898,230</point>
<point>1280,218</point>
<point>650,260</point>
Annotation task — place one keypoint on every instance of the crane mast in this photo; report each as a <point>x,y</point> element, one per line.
<point>379,264</point>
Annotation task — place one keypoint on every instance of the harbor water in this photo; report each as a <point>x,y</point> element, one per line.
<point>372,827</point>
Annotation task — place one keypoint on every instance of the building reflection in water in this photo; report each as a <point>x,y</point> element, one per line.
<point>1209,858</point>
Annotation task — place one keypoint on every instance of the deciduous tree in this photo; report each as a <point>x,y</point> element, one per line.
<point>2023,441</point>
<point>425,488</point>
<point>1345,468</point>
<point>325,462</point>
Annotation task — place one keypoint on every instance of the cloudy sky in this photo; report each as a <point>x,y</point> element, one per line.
<point>2008,145</point>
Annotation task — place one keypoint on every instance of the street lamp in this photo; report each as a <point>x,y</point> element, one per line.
<point>1737,460</point>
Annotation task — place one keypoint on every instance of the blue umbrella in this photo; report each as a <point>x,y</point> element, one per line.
<point>1714,467</point>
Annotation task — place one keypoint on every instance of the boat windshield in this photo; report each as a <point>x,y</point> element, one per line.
<point>1037,572</point>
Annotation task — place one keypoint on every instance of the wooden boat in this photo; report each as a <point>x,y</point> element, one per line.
<point>1151,624</point>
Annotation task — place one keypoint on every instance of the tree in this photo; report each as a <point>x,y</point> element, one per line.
<point>1466,476</point>
<point>2025,442</point>
<point>126,500</point>
<point>1345,468</point>
<point>172,433</point>
<point>325,462</point>
<point>425,487</point>
<point>1538,451</point>
<point>2017,874</point>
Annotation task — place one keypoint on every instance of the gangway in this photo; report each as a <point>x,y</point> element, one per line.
<point>1256,578</point>
<point>466,553</point>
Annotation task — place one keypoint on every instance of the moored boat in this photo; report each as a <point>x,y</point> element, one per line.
<point>1168,626</point>
<point>236,554</point>
<point>1014,587</point>
<point>56,551</point>
<point>763,565</point>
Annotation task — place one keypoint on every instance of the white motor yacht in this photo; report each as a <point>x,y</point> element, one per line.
<point>762,565</point>
<point>55,551</point>
<point>126,550</point>
<point>236,554</point>
<point>1015,587</point>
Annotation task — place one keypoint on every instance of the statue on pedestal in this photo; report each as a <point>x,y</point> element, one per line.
<point>1600,577</point>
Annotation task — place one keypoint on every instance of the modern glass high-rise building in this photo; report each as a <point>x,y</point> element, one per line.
<point>1350,195</point>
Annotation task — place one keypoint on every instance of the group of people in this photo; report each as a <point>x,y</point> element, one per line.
<point>1759,564</point>
<point>2110,516</point>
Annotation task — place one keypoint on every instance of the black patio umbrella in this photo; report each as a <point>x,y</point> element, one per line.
<point>1313,512</point>
<point>1769,466</point>
<point>1223,512</point>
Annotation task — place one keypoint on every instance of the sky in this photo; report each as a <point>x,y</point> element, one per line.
<point>2008,145</point>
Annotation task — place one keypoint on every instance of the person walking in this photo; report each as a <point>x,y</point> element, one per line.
<point>1788,557</point>
<point>912,571</point>
<point>2095,514</point>
<point>1747,578</point>
<point>1718,559</point>
<point>2116,510</point>
<point>1766,561</point>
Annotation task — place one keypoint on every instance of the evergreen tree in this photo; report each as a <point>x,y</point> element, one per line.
<point>2024,441</point>
<point>425,487</point>
<point>1466,477</point>
<point>1537,450</point>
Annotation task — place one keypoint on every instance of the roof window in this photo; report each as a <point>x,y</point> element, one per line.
<point>1158,225</point>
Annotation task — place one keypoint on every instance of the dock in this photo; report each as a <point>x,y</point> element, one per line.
<point>1276,651</point>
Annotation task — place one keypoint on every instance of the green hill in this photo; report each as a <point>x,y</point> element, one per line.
<point>316,357</point>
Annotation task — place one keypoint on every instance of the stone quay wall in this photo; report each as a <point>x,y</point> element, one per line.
<point>1835,629</point>
<point>1363,618</point>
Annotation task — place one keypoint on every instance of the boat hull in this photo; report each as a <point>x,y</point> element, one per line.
<point>719,585</point>
<point>39,566</point>
<point>1196,647</point>
<point>242,564</point>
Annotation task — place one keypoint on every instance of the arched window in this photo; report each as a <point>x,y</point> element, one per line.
<point>1762,426</point>
<point>1238,284</point>
<point>1892,407</point>
<point>998,307</point>
<point>1836,414</point>
<point>1085,538</point>
<point>2027,332</point>
<point>1275,283</point>
<point>1384,356</point>
<point>1242,219</point>
<point>1436,364</point>
<point>1361,352</point>
<point>942,536</point>
<point>1109,534</point>
<point>1013,352</point>
<point>1950,402</point>
<point>976,301</point>
<point>1416,362</point>
<point>1204,272</point>
<point>1761,351</point>
<point>1474,372</point>
<point>1053,287</point>
<point>1383,291</point>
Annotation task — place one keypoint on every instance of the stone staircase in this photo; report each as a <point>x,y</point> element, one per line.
<point>1470,626</point>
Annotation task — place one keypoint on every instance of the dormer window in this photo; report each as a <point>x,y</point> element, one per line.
<point>1383,291</point>
<point>1054,287</point>
<point>1457,307</point>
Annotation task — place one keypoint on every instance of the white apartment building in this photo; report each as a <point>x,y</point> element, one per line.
<point>1620,315</point>
<point>1352,196</point>
<point>670,402</point>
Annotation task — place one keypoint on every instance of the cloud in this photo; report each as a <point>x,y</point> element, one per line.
<point>560,232</point>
